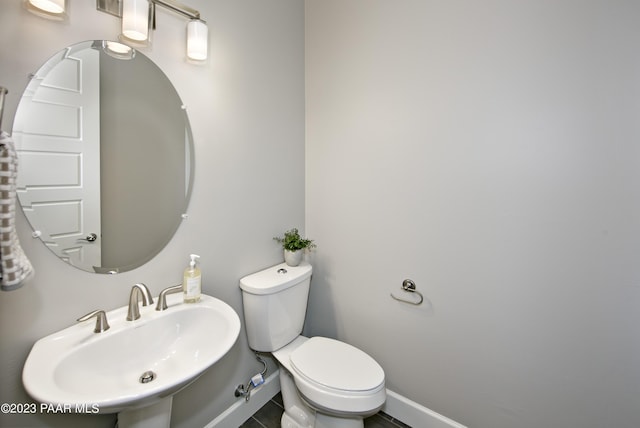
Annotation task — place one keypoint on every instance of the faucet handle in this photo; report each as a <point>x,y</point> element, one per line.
<point>162,297</point>
<point>101,320</point>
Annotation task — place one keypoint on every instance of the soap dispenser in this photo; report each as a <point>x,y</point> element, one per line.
<point>192,281</point>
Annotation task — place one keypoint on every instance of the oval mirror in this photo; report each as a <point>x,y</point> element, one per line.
<point>105,157</point>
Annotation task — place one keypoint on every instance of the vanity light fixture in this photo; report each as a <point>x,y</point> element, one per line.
<point>197,36</point>
<point>135,19</point>
<point>49,6</point>
<point>52,9</point>
<point>139,16</point>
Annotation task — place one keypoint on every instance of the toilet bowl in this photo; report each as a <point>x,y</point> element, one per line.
<point>325,383</point>
<point>334,377</point>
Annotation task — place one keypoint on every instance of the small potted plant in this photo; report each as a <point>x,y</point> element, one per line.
<point>294,246</point>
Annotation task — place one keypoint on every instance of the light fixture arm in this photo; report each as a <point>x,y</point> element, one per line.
<point>115,7</point>
<point>178,7</point>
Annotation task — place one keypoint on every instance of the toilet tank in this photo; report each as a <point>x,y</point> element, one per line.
<point>275,304</point>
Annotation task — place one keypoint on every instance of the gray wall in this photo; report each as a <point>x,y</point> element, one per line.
<point>490,151</point>
<point>246,107</point>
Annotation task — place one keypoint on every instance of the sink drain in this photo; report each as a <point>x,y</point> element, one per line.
<point>147,377</point>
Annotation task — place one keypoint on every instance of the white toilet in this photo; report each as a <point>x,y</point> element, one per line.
<point>325,383</point>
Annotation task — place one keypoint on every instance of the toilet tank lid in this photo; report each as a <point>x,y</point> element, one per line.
<point>275,278</point>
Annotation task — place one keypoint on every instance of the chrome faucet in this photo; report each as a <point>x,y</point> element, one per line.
<point>138,290</point>
<point>101,320</point>
<point>162,297</point>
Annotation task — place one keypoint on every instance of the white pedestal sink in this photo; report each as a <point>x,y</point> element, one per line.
<point>135,367</point>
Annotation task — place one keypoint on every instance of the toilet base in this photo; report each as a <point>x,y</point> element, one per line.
<point>297,414</point>
<point>327,421</point>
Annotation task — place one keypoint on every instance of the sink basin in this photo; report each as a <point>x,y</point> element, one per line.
<point>77,367</point>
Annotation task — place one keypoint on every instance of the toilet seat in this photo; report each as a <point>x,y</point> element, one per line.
<point>333,376</point>
<point>336,365</point>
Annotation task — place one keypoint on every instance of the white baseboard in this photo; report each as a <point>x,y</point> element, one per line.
<point>242,410</point>
<point>397,406</point>
<point>415,415</point>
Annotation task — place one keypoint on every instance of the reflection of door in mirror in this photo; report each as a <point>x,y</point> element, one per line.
<point>60,157</point>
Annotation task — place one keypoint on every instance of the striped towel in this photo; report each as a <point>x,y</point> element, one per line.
<point>15,268</point>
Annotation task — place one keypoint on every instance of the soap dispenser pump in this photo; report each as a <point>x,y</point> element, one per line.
<point>192,281</point>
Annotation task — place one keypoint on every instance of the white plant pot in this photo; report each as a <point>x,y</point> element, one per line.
<point>293,258</point>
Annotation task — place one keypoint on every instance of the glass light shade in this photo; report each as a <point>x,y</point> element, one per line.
<point>135,19</point>
<point>49,6</point>
<point>197,38</point>
<point>118,50</point>
<point>118,47</point>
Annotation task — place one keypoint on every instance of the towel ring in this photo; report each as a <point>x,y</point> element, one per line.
<point>409,286</point>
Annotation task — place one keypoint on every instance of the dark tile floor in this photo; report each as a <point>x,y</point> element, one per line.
<point>269,417</point>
